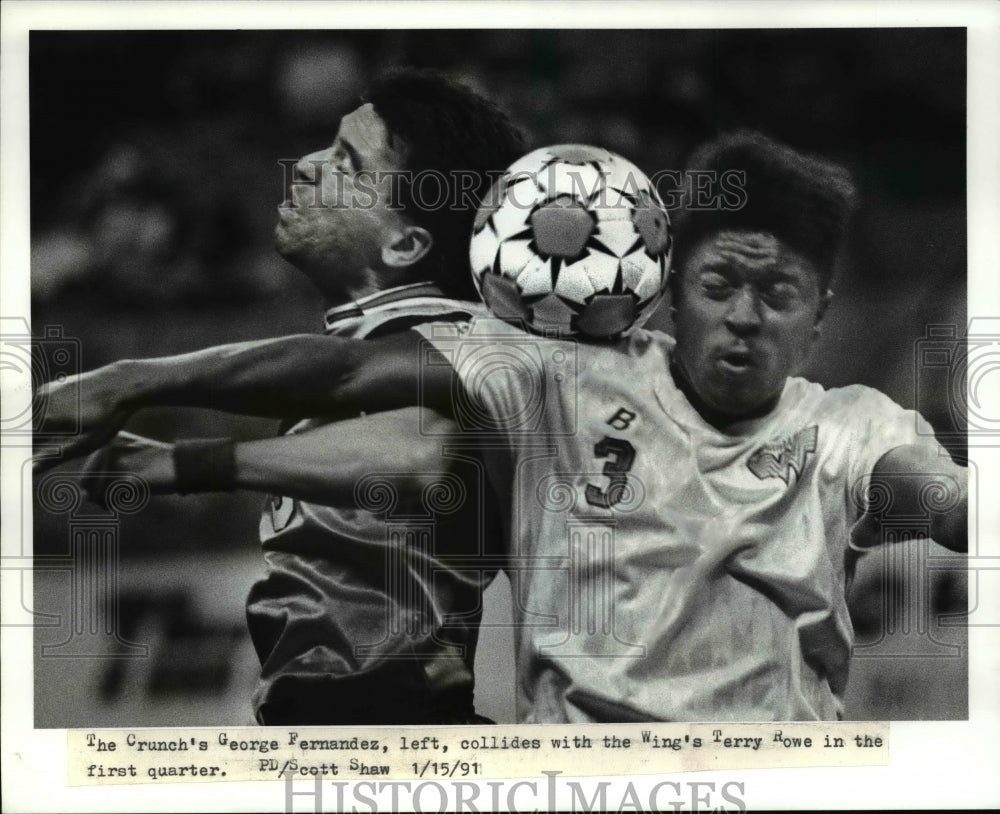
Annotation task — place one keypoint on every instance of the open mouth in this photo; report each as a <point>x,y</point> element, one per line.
<point>737,360</point>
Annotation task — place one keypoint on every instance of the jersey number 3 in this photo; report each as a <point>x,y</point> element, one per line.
<point>622,455</point>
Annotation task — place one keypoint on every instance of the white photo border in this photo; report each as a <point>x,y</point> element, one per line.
<point>931,764</point>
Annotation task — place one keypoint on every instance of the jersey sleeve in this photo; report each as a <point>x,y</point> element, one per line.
<point>879,425</point>
<point>501,374</point>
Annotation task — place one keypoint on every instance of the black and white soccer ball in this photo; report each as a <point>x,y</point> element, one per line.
<point>572,240</point>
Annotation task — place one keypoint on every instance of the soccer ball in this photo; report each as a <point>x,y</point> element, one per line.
<point>572,240</point>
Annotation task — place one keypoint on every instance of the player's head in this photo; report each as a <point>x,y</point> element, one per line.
<point>752,282</point>
<point>397,191</point>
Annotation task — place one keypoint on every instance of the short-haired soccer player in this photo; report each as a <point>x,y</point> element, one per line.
<point>353,624</point>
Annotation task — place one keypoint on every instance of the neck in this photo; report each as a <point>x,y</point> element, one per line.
<point>716,418</point>
<point>355,286</point>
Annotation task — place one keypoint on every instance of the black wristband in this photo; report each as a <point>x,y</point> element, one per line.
<point>205,465</point>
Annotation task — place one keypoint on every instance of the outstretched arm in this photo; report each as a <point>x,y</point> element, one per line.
<point>288,376</point>
<point>919,482</point>
<point>322,465</point>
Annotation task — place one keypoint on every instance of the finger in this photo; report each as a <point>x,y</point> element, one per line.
<point>59,454</point>
<point>61,450</point>
<point>49,416</point>
<point>86,443</point>
<point>140,440</point>
<point>46,459</point>
<point>94,476</point>
<point>64,452</point>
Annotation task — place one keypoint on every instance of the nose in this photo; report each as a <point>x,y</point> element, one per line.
<point>743,316</point>
<point>306,169</point>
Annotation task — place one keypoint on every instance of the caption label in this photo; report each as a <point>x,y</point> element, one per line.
<point>104,756</point>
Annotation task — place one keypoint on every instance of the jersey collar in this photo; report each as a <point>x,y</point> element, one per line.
<point>675,402</point>
<point>352,310</point>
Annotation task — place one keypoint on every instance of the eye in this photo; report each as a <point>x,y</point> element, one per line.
<point>340,160</point>
<point>715,285</point>
<point>780,294</point>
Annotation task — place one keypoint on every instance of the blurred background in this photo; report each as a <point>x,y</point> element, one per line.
<point>154,179</point>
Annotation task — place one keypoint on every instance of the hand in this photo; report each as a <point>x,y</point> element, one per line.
<point>91,405</point>
<point>916,480</point>
<point>866,534</point>
<point>153,461</point>
<point>948,528</point>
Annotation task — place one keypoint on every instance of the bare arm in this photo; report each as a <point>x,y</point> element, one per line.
<point>289,376</point>
<point>324,465</point>
<point>919,483</point>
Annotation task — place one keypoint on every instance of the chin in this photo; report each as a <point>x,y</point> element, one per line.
<point>286,245</point>
<point>280,239</point>
<point>752,407</point>
<point>734,402</point>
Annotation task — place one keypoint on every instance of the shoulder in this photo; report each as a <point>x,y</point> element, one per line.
<point>856,412</point>
<point>475,323</point>
<point>639,344</point>
<point>409,314</point>
<point>854,402</point>
<point>641,340</point>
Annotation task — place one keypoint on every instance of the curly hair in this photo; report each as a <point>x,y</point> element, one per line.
<point>803,200</point>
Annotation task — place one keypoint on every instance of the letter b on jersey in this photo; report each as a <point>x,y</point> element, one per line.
<point>622,419</point>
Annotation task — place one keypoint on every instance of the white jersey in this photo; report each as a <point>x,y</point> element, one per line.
<point>663,569</point>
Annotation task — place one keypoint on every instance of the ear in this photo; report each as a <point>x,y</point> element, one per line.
<point>406,246</point>
<point>824,303</point>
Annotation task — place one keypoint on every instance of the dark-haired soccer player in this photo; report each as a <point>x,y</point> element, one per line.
<point>356,622</point>
<point>681,511</point>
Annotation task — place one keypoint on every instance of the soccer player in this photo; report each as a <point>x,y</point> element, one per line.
<point>680,510</point>
<point>356,621</point>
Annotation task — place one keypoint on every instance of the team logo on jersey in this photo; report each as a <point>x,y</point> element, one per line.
<point>780,458</point>
<point>282,509</point>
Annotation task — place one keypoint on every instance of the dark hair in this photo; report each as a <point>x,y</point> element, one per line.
<point>803,200</point>
<point>449,135</point>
